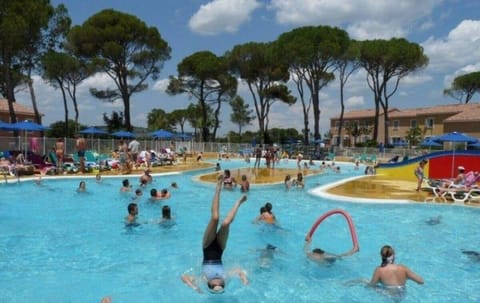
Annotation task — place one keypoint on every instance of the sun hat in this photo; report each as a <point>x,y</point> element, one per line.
<point>461,168</point>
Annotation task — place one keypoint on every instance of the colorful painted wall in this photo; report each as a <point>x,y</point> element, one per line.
<point>440,165</point>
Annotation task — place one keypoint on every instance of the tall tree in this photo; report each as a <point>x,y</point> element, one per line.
<point>180,117</point>
<point>388,61</point>
<point>114,122</point>
<point>260,67</point>
<point>346,64</point>
<point>50,38</point>
<point>241,114</point>
<point>464,86</point>
<point>205,77</point>
<point>125,48</point>
<point>157,118</point>
<point>22,23</point>
<point>311,53</point>
<point>65,72</point>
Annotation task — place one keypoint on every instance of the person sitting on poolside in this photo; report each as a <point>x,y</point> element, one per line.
<point>245,185</point>
<point>126,187</point>
<point>459,180</point>
<point>320,256</point>
<point>146,178</point>
<point>392,275</point>
<point>217,167</point>
<point>131,219</point>
<point>228,181</point>
<point>214,243</point>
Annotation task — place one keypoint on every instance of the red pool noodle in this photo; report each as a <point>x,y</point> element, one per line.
<point>353,233</point>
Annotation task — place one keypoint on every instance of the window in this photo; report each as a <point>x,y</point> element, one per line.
<point>429,122</point>
<point>396,124</point>
<point>337,124</point>
<point>413,123</point>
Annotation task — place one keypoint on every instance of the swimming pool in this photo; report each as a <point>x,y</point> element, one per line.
<point>59,245</point>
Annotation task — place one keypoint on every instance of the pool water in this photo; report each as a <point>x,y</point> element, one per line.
<point>57,245</point>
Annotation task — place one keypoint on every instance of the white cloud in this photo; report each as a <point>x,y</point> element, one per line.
<point>448,79</point>
<point>387,18</point>
<point>355,102</point>
<point>220,16</point>
<point>161,85</point>
<point>461,47</point>
<point>416,79</point>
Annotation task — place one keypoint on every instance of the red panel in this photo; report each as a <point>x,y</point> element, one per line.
<point>441,167</point>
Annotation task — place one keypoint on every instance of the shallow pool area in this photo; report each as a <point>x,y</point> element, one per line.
<point>60,245</point>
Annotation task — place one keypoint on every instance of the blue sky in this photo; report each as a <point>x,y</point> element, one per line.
<point>449,31</point>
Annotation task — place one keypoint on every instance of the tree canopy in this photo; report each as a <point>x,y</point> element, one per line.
<point>387,62</point>
<point>204,76</point>
<point>464,87</point>
<point>310,53</point>
<point>260,67</point>
<point>125,48</point>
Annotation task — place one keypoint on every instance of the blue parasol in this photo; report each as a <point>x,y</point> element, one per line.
<point>162,134</point>
<point>123,134</point>
<point>93,131</point>
<point>455,137</point>
<point>28,126</point>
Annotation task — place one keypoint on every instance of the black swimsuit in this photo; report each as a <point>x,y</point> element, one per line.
<point>212,254</point>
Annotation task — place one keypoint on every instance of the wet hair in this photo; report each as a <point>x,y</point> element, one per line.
<point>299,177</point>
<point>227,173</point>
<point>131,207</point>
<point>166,213</point>
<point>174,185</point>
<point>287,178</point>
<point>82,183</point>
<point>262,209</point>
<point>212,286</point>
<point>268,207</point>
<point>164,191</point>
<point>318,251</point>
<point>138,191</point>
<point>125,182</point>
<point>244,177</point>
<point>153,192</point>
<point>388,255</point>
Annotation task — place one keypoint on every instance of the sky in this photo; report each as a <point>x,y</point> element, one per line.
<point>448,31</point>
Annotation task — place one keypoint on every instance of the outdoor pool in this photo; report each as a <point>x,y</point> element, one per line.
<point>58,245</point>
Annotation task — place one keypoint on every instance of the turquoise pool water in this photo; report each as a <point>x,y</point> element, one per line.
<point>57,245</point>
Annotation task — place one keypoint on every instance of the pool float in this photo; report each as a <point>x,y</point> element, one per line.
<point>353,233</point>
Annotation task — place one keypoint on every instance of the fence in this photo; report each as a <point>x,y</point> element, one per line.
<point>105,146</point>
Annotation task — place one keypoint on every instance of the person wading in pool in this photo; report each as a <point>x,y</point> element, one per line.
<point>320,256</point>
<point>392,275</point>
<point>214,243</point>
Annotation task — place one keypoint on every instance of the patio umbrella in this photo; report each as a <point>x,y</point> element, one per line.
<point>93,131</point>
<point>123,134</point>
<point>162,134</point>
<point>28,126</point>
<point>455,137</point>
<point>474,145</point>
<point>5,126</point>
<point>430,143</point>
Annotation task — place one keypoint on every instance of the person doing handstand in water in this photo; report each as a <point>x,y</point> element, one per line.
<point>214,243</point>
